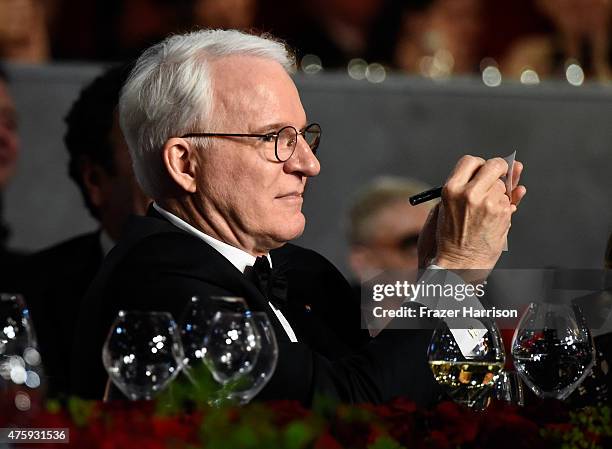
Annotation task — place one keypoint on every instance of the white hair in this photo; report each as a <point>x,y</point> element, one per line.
<point>170,92</point>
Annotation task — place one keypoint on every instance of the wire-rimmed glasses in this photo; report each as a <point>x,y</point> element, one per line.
<point>285,140</point>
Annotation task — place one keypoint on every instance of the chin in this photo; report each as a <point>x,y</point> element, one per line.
<point>290,228</point>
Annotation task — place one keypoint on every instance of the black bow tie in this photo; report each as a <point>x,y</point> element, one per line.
<point>270,282</point>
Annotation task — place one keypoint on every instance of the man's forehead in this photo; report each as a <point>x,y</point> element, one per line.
<point>249,84</point>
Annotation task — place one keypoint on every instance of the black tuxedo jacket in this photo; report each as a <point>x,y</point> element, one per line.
<point>54,282</point>
<point>156,266</point>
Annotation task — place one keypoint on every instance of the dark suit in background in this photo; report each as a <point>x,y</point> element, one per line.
<point>54,282</point>
<point>156,266</point>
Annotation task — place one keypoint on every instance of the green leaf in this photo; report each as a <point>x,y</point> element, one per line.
<point>385,442</point>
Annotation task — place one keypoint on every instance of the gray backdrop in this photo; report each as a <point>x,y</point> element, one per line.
<point>402,126</point>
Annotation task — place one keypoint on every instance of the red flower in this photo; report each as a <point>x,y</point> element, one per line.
<point>286,411</point>
<point>326,441</point>
<point>459,424</point>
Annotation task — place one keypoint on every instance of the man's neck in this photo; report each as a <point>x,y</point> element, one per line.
<point>211,223</point>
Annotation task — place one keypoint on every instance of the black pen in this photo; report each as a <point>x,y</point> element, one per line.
<point>427,195</point>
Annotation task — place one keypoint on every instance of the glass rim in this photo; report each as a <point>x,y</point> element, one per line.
<point>122,313</point>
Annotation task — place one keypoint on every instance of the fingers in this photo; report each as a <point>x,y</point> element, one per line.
<point>464,170</point>
<point>517,169</point>
<point>488,175</point>
<point>517,195</point>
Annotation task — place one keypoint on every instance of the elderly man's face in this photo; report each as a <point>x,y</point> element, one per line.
<point>240,178</point>
<point>9,142</point>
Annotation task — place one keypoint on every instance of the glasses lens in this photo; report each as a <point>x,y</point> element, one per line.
<point>312,134</point>
<point>408,243</point>
<point>285,143</point>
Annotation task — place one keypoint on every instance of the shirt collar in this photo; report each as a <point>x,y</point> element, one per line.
<point>106,242</point>
<point>239,258</point>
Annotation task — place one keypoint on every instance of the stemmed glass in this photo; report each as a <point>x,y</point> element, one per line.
<point>142,353</point>
<point>552,349</point>
<point>21,371</point>
<point>245,384</point>
<point>196,320</point>
<point>469,378</point>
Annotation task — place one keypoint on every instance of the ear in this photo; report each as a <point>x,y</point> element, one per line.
<point>180,161</point>
<point>93,178</point>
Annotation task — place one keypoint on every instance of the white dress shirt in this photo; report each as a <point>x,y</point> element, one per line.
<point>239,258</point>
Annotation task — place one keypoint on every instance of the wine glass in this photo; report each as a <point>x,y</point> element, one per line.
<point>17,331</point>
<point>142,353</point>
<point>231,346</point>
<point>509,388</point>
<point>244,386</point>
<point>552,349</point>
<point>21,373</point>
<point>469,378</point>
<point>196,320</point>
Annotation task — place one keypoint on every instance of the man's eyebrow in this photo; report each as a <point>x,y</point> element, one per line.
<point>275,127</point>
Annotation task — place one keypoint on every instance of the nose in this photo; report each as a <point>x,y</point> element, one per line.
<point>303,161</point>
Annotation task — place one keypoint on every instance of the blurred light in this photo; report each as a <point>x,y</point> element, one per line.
<point>425,65</point>
<point>439,66</point>
<point>375,73</point>
<point>443,63</point>
<point>530,77</point>
<point>491,76</point>
<point>486,62</point>
<point>357,69</point>
<point>31,356</point>
<point>16,361</point>
<point>574,74</point>
<point>154,350</point>
<point>32,379</point>
<point>9,331</point>
<point>18,375</point>
<point>311,64</point>
<point>22,401</point>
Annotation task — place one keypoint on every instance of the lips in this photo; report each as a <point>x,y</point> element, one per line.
<point>290,195</point>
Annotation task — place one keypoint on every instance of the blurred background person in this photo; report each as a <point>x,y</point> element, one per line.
<point>440,38</point>
<point>56,278</point>
<point>580,35</point>
<point>23,30</point>
<point>9,150</point>
<point>227,14</point>
<point>384,228</point>
<point>337,31</point>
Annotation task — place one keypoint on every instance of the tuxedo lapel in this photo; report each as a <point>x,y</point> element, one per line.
<point>213,268</point>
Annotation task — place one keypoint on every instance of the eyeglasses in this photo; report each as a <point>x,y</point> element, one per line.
<point>285,140</point>
<point>406,244</point>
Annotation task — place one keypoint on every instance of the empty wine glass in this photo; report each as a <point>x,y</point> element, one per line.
<point>21,373</point>
<point>231,346</point>
<point>467,378</point>
<point>196,320</point>
<point>17,332</point>
<point>244,386</point>
<point>552,349</point>
<point>142,353</point>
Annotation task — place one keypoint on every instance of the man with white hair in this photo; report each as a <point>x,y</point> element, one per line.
<point>220,140</point>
